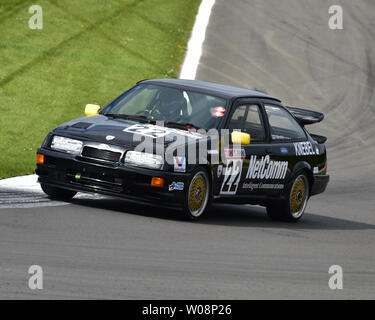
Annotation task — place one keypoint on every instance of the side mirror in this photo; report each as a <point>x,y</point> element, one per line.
<point>92,110</point>
<point>240,138</point>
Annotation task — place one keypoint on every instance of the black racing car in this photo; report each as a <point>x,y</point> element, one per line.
<point>186,144</point>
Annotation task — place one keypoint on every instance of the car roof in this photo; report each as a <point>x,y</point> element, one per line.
<point>217,89</point>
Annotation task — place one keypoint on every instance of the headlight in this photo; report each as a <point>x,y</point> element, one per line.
<point>66,144</point>
<point>142,159</point>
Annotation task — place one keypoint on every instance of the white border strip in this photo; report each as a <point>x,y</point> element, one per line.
<point>194,50</point>
<point>23,183</point>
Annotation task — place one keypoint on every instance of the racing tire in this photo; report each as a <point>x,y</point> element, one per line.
<point>296,196</point>
<point>57,193</point>
<point>198,194</point>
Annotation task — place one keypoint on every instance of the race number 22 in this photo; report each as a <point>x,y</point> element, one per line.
<point>232,176</point>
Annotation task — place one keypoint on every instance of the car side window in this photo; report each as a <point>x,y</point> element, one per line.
<point>247,118</point>
<point>283,125</point>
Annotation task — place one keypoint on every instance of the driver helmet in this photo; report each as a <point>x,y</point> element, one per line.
<point>172,102</point>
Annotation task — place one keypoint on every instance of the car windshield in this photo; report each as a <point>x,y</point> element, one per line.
<point>173,106</point>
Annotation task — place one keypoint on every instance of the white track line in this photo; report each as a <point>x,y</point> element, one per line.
<point>194,50</point>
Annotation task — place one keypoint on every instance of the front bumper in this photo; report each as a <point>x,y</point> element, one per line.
<point>320,183</point>
<point>76,173</point>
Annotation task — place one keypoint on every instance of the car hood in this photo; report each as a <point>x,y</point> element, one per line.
<point>125,133</point>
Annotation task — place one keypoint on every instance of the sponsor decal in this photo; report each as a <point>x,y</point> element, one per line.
<point>304,148</point>
<point>109,137</point>
<point>235,153</point>
<point>264,168</point>
<point>316,170</point>
<point>179,164</point>
<point>219,171</point>
<point>219,112</point>
<point>256,186</point>
<point>220,109</point>
<point>284,150</point>
<point>155,131</point>
<point>232,176</point>
<point>176,186</point>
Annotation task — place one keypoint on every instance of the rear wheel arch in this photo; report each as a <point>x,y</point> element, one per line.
<point>302,166</point>
<point>310,177</point>
<point>292,205</point>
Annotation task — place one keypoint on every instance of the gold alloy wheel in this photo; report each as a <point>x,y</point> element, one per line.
<point>198,194</point>
<point>298,196</point>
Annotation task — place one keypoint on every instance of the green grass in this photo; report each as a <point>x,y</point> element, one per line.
<point>89,51</point>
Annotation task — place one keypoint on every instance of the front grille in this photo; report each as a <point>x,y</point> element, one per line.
<point>101,154</point>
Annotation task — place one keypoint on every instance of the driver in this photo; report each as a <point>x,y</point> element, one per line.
<point>171,104</point>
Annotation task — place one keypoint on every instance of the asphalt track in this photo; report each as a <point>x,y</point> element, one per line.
<point>107,248</point>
